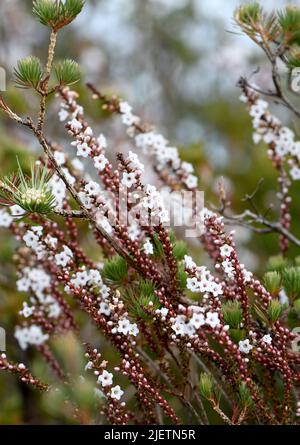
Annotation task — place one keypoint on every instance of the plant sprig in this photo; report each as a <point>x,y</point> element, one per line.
<point>57,14</point>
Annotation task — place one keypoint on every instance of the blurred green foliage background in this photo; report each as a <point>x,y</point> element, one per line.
<point>177,62</point>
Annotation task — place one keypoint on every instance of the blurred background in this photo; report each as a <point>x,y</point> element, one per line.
<point>177,62</point>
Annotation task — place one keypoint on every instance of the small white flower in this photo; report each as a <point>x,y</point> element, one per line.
<point>62,259</point>
<point>148,248</point>
<point>75,125</point>
<point>5,219</point>
<point>100,162</point>
<point>226,250</point>
<point>104,309</point>
<point>135,162</point>
<point>63,115</point>
<point>106,378</point>
<point>189,263</point>
<point>128,179</point>
<point>89,365</point>
<point>83,150</point>
<point>125,107</point>
<point>134,330</point>
<point>26,311</point>
<point>212,319</point>
<point>163,312</point>
<point>124,326</point>
<point>78,165</point>
<point>116,392</point>
<point>267,339</point>
<point>191,181</point>
<point>92,188</point>
<point>245,346</point>
<point>102,141</point>
<point>16,211</point>
<point>193,284</point>
<point>60,157</point>
<point>31,239</point>
<point>197,320</point>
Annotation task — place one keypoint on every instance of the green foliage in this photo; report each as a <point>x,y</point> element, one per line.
<point>274,310</point>
<point>140,298</point>
<point>249,13</point>
<point>158,251</point>
<point>179,250</point>
<point>31,194</point>
<point>67,72</point>
<point>115,270</point>
<point>272,282</point>
<point>29,73</point>
<point>277,263</point>
<point>293,60</point>
<point>289,21</point>
<point>291,282</point>
<point>297,305</point>
<point>206,386</point>
<point>57,14</point>
<point>181,276</point>
<point>237,334</point>
<point>232,313</point>
<point>245,396</point>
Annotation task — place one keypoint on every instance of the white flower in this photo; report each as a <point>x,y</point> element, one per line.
<point>191,181</point>
<point>135,162</point>
<point>88,132</point>
<point>100,162</point>
<point>267,339</point>
<point>61,259</point>
<point>125,107</point>
<point>32,335</point>
<point>104,291</point>
<point>163,312</point>
<point>148,248</point>
<point>23,284</point>
<point>92,188</point>
<point>193,284</point>
<point>116,392</point>
<point>245,346</point>
<point>197,320</point>
<point>295,173</point>
<point>106,378</point>
<point>31,239</point>
<point>75,125</point>
<point>60,157</point>
<point>102,141</point>
<point>81,279</point>
<point>95,277</point>
<point>16,211</point>
<point>5,219</point>
<point>256,138</point>
<point>27,311</point>
<point>89,365</point>
<point>51,241</point>
<point>54,310</point>
<point>226,250</point>
<point>187,167</point>
<point>85,199</point>
<point>104,309</point>
<point>189,263</point>
<point>128,179</point>
<point>83,150</point>
<point>78,165</point>
<point>124,326</point>
<point>63,115</point>
<point>212,319</point>
<point>134,330</point>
